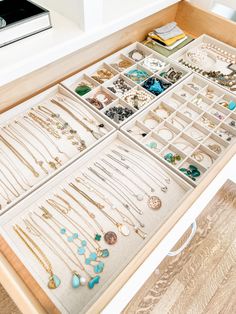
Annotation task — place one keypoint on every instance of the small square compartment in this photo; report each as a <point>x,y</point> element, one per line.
<point>151,120</point>
<point>191,111</point>
<point>172,155</point>
<point>167,132</point>
<point>204,156</point>
<point>118,111</point>
<point>185,92</point>
<point>185,143</point>
<point>154,143</point>
<point>218,112</point>
<point>103,73</point>
<point>138,97</point>
<point>163,110</point>
<point>121,63</point>
<point>197,132</point>
<point>196,84</point>
<point>231,120</point>
<point>83,80</point>
<point>208,121</point>
<point>138,74</point>
<point>179,121</point>
<point>138,131</point>
<point>163,85</point>
<point>137,52</point>
<point>211,92</point>
<point>202,102</point>
<point>172,73</point>
<point>154,63</point>
<point>187,165</point>
<point>174,100</point>
<point>216,144</point>
<point>101,96</point>
<point>228,102</point>
<point>119,85</point>
<point>226,132</point>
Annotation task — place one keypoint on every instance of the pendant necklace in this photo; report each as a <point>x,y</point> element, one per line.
<point>37,231</point>
<point>92,279</point>
<point>128,205</point>
<point>154,202</point>
<point>123,229</point>
<point>124,217</point>
<point>54,281</point>
<point>123,157</point>
<point>95,134</point>
<point>91,259</point>
<point>139,197</point>
<point>41,130</point>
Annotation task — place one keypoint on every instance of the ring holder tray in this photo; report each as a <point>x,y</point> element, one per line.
<point>190,126</point>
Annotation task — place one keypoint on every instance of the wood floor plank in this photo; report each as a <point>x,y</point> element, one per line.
<point>202,272</point>
<point>223,300</point>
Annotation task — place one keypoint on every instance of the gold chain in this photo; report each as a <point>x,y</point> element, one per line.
<point>19,156</point>
<point>46,265</point>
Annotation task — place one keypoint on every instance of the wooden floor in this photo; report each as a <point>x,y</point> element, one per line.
<point>7,306</point>
<point>202,279</point>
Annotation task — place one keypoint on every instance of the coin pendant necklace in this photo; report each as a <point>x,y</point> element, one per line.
<point>110,237</point>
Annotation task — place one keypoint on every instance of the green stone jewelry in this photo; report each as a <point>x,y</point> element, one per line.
<point>192,172</point>
<point>172,158</point>
<point>82,90</point>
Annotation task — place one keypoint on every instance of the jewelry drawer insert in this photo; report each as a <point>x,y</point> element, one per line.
<point>189,128</point>
<point>211,58</point>
<point>41,137</point>
<point>125,82</point>
<point>80,230</point>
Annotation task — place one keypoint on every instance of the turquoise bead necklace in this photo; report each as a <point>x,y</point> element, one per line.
<point>93,240</point>
<point>66,207</point>
<point>37,231</point>
<point>73,237</point>
<point>90,214</point>
<point>92,279</point>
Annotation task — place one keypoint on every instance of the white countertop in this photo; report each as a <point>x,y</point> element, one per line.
<point>29,54</point>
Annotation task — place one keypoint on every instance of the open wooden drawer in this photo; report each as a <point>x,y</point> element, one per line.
<point>20,284</point>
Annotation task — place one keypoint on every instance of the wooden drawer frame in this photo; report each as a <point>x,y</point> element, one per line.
<point>195,21</point>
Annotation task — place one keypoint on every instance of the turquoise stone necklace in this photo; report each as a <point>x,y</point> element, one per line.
<point>36,230</point>
<point>77,280</point>
<point>90,260</point>
<point>66,207</point>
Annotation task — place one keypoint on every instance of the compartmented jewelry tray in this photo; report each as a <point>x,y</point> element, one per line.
<point>77,233</point>
<point>210,58</point>
<point>125,82</point>
<point>189,128</point>
<point>42,136</point>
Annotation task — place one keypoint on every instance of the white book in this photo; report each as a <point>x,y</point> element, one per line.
<point>20,19</point>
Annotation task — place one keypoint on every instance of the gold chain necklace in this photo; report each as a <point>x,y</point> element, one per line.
<point>54,281</point>
<point>19,156</point>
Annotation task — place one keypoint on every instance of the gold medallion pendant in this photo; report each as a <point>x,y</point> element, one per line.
<point>154,202</point>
